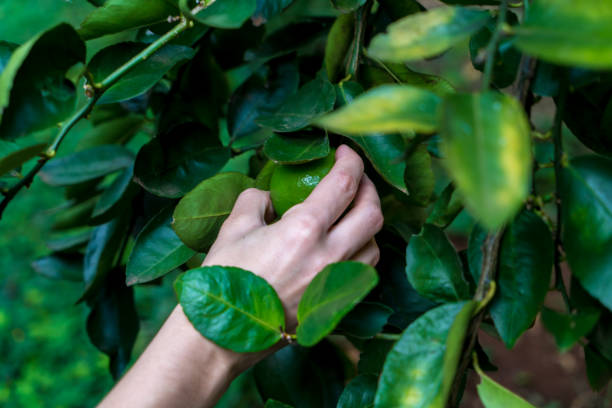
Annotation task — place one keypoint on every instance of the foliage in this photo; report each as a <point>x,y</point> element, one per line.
<point>167,110</point>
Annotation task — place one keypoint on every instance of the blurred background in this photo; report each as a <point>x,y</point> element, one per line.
<point>47,359</point>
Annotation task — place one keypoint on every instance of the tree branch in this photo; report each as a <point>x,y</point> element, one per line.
<point>98,90</point>
<point>492,46</point>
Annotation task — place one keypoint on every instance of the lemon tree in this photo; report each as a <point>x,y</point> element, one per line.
<point>153,116</point>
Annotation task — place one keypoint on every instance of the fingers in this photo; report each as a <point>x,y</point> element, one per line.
<point>336,191</point>
<point>252,209</point>
<point>360,224</point>
<point>369,254</point>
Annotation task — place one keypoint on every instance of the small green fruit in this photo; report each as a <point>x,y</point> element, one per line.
<point>292,183</point>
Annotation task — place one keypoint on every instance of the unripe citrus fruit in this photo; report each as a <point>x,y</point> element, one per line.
<point>292,183</point>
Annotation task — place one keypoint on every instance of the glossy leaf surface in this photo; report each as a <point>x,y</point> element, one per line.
<point>359,393</point>
<point>426,34</point>
<point>232,307</point>
<point>330,296</point>
<point>365,320</point>
<point>433,267</point>
<point>227,13</point>
<point>586,192</point>
<point>420,368</point>
<point>199,215</point>
<point>296,148</point>
<point>157,251</point>
<point>494,395</point>
<point>486,142</point>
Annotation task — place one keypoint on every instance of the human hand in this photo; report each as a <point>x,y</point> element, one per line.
<point>290,252</point>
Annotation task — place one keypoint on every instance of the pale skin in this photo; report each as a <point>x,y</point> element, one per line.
<point>180,368</point>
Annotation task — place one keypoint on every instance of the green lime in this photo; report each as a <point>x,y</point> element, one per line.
<point>292,183</point>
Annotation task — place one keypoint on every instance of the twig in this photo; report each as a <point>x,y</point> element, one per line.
<point>387,336</point>
<point>492,46</point>
<point>98,90</point>
<point>353,55</point>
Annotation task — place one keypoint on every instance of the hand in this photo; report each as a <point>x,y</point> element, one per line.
<point>290,252</point>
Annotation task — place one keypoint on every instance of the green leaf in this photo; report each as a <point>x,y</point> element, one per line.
<point>119,193</point>
<point>420,369</point>
<point>302,377</point>
<point>544,32</point>
<point>119,15</point>
<point>100,254</point>
<point>6,50</point>
<point>86,165</point>
<point>524,269</point>
<point>586,193</point>
<point>598,368</point>
<point>257,96</point>
<point>232,307</point>
<point>112,324</point>
<point>569,328</point>
<point>426,34</point>
<point>365,320</point>
<point>385,109</point>
<point>297,148</point>
<point>19,156</point>
<point>60,266</point>
<point>199,215</point>
<point>494,395</point>
<point>359,393</point>
<point>173,163</point>
<point>419,176</point>
<point>372,76</point>
<point>268,8</point>
<point>70,241</point>
<point>116,129</point>
<point>373,355</point>
<point>433,267</point>
<point>486,142</point>
<point>446,208</point>
<point>141,77</point>
<point>330,296</point>
<point>34,91</point>
<point>298,111</point>
<point>75,215</point>
<point>346,6</point>
<point>157,251</point>
<point>227,13</point>
<point>338,43</point>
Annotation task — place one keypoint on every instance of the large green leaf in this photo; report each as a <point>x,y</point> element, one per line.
<point>86,165</point>
<point>420,369</point>
<point>426,34</point>
<point>232,307</point>
<point>298,111</point>
<point>389,73</point>
<point>199,215</point>
<point>359,393</point>
<point>140,78</point>
<point>346,6</point>
<point>338,43</point>
<point>157,251</point>
<point>524,270</point>
<point>303,377</point>
<point>330,296</point>
<point>569,328</point>
<point>257,96</point>
<point>112,324</point>
<point>588,43</point>
<point>385,109</point>
<point>173,163</point>
<point>6,50</point>
<point>494,395</point>
<point>297,148</point>
<point>119,15</point>
<point>446,208</point>
<point>227,13</point>
<point>433,267</point>
<point>586,193</point>
<point>268,8</point>
<point>419,176</point>
<point>18,156</point>
<point>486,142</point>
<point>34,91</point>
<point>100,255</point>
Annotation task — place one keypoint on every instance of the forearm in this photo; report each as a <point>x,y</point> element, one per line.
<point>180,368</point>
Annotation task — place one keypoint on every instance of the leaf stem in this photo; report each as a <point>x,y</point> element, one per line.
<point>492,46</point>
<point>387,336</point>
